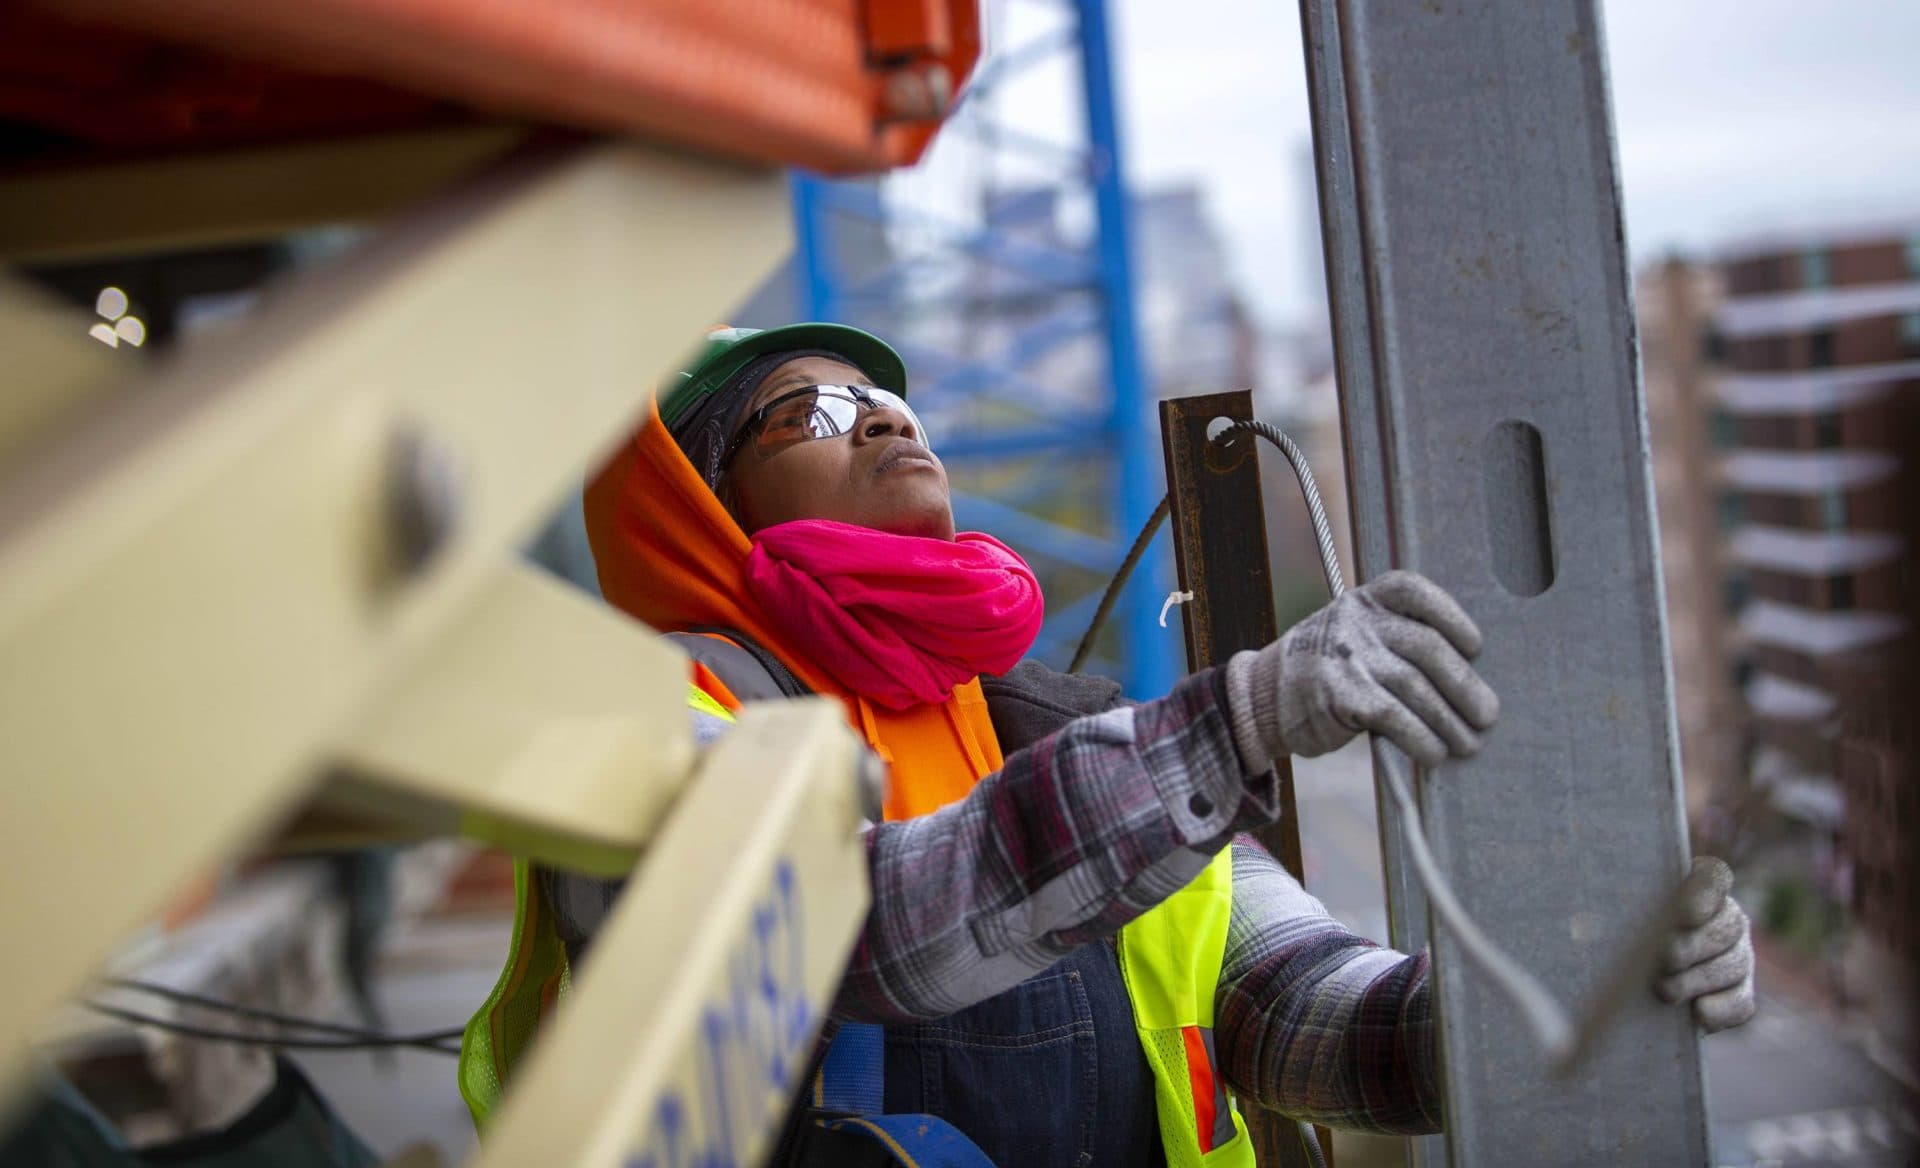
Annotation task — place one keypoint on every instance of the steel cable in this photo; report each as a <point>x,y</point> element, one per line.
<point>348,1037</point>
<point>1545,1018</point>
<point>436,1042</point>
<point>1543,1014</point>
<point>1119,581</point>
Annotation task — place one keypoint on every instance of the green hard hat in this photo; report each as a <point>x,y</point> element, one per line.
<point>725,351</point>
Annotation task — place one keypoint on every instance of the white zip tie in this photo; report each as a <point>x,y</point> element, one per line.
<point>1172,599</point>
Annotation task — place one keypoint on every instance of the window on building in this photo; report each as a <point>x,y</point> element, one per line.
<point>1731,509</point>
<point>1833,509</point>
<point>1734,591</point>
<point>1769,432</point>
<point>1771,510</point>
<point>1784,589</point>
<point>1840,592</point>
<point>1725,429</point>
<point>1742,672</point>
<point>1826,430</point>
<point>1816,269</point>
<point>1910,331</point>
<point>1820,349</point>
<point>1913,256</point>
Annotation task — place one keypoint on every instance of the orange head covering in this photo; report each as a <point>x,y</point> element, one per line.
<point>669,554</point>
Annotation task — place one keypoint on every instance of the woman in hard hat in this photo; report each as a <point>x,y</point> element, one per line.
<point>1071,957</point>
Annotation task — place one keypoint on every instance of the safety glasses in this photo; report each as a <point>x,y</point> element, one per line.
<point>817,411</point>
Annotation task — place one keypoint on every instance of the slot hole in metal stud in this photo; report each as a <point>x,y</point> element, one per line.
<point>1519,520</point>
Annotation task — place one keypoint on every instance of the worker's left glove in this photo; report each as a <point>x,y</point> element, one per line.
<point>1710,960</point>
<point>1393,657</point>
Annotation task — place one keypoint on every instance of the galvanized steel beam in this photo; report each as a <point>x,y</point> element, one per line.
<point>1497,442</point>
<point>1363,427</point>
<point>1362,430</point>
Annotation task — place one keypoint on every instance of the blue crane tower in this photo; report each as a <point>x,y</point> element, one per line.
<point>1024,343</point>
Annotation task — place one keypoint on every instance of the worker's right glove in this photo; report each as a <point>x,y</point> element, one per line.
<point>1709,962</point>
<point>1389,658</point>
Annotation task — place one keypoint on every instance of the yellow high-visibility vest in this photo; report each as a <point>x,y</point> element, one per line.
<point>1170,959</point>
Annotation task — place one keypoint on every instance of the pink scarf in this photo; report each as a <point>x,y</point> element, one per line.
<point>898,619</point>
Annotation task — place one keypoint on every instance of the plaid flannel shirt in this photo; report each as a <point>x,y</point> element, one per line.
<point>1085,830</point>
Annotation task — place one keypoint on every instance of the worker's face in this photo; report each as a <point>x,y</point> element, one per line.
<point>877,475</point>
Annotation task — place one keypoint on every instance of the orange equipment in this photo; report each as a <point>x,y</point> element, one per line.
<point>831,85</point>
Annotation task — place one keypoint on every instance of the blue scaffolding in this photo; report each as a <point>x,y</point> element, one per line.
<point>1071,294</point>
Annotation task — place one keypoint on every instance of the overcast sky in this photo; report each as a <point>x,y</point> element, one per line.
<point>1733,118</point>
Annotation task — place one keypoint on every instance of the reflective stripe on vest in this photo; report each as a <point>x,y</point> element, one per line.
<point>705,702</point>
<point>1170,959</point>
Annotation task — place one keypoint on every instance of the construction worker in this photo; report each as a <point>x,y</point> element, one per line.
<point>1073,956</point>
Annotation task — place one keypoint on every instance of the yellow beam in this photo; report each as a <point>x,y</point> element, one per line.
<point>230,196</point>
<point>53,367</point>
<point>536,722</point>
<point>696,1011</point>
<point>202,592</point>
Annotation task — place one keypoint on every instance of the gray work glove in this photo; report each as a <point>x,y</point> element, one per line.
<point>1389,657</point>
<point>1710,960</point>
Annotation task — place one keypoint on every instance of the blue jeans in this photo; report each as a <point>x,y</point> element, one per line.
<point>1046,1075</point>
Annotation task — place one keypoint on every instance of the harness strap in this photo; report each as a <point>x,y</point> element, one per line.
<point>852,1084</point>
<point>853,1077</point>
<point>917,1141</point>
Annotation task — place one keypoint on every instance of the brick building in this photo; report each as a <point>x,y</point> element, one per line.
<point>1819,343</point>
<point>1777,383</point>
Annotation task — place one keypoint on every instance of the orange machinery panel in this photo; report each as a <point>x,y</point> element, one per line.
<point>834,85</point>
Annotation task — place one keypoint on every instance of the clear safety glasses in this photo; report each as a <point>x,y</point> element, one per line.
<point>818,411</point>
